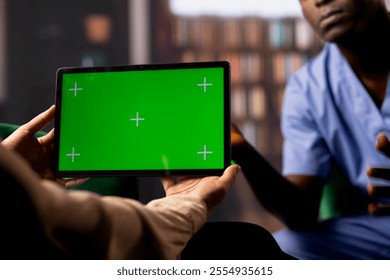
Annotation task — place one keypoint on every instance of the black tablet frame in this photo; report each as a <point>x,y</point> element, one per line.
<point>109,173</point>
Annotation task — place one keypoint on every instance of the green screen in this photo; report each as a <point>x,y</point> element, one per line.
<point>142,120</point>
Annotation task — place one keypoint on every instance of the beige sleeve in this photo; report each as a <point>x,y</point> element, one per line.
<point>166,225</point>
<point>105,226</point>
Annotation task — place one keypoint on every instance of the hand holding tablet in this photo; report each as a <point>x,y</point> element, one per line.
<point>143,120</point>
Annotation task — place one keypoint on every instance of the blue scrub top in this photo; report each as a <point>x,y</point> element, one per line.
<point>329,115</point>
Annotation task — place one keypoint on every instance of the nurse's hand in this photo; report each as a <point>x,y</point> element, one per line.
<point>380,191</point>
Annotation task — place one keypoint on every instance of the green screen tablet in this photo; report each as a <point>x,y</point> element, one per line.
<point>143,120</point>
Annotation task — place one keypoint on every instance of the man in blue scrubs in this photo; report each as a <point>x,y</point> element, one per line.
<point>336,113</point>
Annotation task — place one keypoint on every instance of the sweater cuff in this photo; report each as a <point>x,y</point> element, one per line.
<point>189,209</point>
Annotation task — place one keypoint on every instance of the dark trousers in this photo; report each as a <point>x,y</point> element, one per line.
<point>233,241</point>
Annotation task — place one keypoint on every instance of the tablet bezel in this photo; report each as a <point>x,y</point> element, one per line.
<point>141,172</point>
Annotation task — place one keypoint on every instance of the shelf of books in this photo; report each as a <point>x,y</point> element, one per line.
<point>262,54</point>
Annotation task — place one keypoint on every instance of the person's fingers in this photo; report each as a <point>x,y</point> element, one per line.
<point>378,172</point>
<point>377,209</point>
<point>229,174</point>
<point>167,182</point>
<point>72,183</point>
<point>48,138</point>
<point>383,144</point>
<point>40,121</point>
<point>51,134</point>
<point>378,191</point>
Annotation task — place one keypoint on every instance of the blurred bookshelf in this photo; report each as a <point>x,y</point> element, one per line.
<point>262,52</point>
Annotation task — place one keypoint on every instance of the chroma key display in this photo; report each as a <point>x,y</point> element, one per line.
<point>144,120</point>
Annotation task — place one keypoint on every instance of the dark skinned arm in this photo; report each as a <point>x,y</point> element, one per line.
<point>294,199</point>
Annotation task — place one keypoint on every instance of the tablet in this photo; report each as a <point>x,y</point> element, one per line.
<point>143,120</point>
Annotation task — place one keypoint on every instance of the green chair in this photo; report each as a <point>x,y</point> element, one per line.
<point>340,197</point>
<point>121,186</point>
